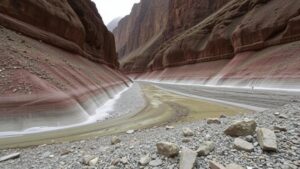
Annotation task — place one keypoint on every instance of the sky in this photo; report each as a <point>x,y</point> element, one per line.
<point>110,9</point>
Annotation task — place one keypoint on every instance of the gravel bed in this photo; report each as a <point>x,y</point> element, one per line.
<point>127,154</point>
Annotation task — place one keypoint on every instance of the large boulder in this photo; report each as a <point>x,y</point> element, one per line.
<point>187,158</point>
<point>266,139</point>
<point>241,128</point>
<point>241,144</point>
<point>167,149</point>
<point>205,148</point>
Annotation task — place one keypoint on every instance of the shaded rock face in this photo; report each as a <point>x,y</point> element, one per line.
<point>113,24</point>
<point>184,14</point>
<point>72,25</point>
<point>249,42</point>
<point>145,23</point>
<point>57,63</point>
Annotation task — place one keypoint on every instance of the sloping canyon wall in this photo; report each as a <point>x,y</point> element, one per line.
<point>58,63</point>
<point>237,42</point>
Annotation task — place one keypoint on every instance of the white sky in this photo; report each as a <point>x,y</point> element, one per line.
<point>110,9</point>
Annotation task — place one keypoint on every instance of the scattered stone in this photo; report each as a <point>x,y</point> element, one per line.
<point>280,128</point>
<point>186,140</point>
<point>282,116</point>
<point>124,160</point>
<point>241,128</point>
<point>187,132</point>
<point>90,160</point>
<point>130,131</point>
<point>169,127</point>
<point>267,139</point>
<point>9,157</point>
<point>145,160</point>
<point>155,163</point>
<point>115,140</point>
<point>249,138</point>
<point>187,158</point>
<point>215,165</point>
<point>276,113</point>
<point>167,149</point>
<point>213,121</point>
<point>205,148</point>
<point>223,116</point>
<point>234,166</point>
<point>241,144</point>
<point>93,162</point>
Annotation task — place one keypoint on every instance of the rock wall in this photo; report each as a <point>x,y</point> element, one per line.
<point>258,42</point>
<point>72,25</point>
<point>179,15</point>
<point>145,23</point>
<point>57,64</point>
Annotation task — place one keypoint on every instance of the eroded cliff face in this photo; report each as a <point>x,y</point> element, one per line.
<point>180,15</point>
<point>72,25</point>
<point>250,43</point>
<point>57,63</point>
<point>142,28</point>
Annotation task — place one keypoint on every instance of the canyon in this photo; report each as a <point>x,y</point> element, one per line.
<point>228,43</point>
<point>176,84</point>
<point>56,69</point>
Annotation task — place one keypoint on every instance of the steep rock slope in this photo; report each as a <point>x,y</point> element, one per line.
<point>142,27</point>
<point>113,24</point>
<point>180,15</point>
<point>58,67</point>
<point>245,43</point>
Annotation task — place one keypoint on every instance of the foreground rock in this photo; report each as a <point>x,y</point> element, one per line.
<point>167,149</point>
<point>205,148</point>
<point>241,128</point>
<point>267,139</point>
<point>187,132</point>
<point>115,140</point>
<point>90,160</point>
<point>145,160</point>
<point>213,121</point>
<point>10,156</point>
<point>187,158</point>
<point>241,144</point>
<point>215,165</point>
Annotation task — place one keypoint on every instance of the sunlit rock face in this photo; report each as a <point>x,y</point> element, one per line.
<point>244,43</point>
<point>58,67</point>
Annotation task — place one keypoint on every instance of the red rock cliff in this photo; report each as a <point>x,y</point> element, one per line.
<point>180,15</point>
<point>57,63</point>
<point>69,24</point>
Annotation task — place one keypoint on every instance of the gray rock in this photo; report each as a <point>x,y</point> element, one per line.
<point>145,160</point>
<point>241,144</point>
<point>187,158</point>
<point>155,163</point>
<point>167,149</point>
<point>10,156</point>
<point>115,140</point>
<point>187,132</point>
<point>280,128</point>
<point>130,131</point>
<point>213,121</point>
<point>186,140</point>
<point>234,166</point>
<point>90,160</point>
<point>267,139</point>
<point>215,165</point>
<point>241,128</point>
<point>205,148</point>
<point>169,127</point>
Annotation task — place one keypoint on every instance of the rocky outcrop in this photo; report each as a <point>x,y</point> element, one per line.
<point>142,27</point>
<point>72,25</point>
<point>244,43</point>
<point>56,69</point>
<point>113,24</point>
